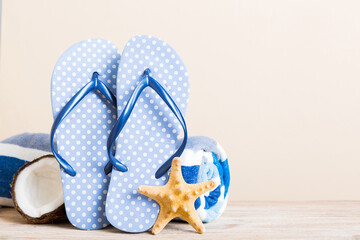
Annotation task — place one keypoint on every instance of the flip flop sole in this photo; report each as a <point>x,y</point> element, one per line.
<point>150,134</point>
<point>82,136</point>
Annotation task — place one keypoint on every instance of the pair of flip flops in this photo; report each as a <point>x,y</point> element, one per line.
<point>132,106</point>
<point>138,100</point>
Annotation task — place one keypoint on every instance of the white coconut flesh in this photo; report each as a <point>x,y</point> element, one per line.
<point>38,188</point>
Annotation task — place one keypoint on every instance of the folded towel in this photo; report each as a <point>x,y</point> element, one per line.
<point>204,159</point>
<point>14,153</point>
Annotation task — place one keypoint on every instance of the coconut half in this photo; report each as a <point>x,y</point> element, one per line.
<point>37,191</point>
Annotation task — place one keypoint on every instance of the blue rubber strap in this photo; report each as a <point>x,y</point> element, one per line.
<point>146,81</point>
<point>94,84</point>
<point>172,105</point>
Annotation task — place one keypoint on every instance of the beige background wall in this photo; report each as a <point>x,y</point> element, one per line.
<point>277,83</point>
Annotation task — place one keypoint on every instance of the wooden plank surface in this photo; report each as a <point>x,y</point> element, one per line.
<point>242,220</point>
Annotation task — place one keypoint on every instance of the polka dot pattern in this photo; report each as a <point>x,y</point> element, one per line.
<point>82,136</point>
<point>150,135</point>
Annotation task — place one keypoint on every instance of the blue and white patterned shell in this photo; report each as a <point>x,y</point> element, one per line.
<point>204,159</point>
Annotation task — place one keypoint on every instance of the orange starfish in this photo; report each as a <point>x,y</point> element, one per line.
<point>176,199</point>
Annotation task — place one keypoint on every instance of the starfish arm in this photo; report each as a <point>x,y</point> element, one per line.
<point>162,220</point>
<point>175,172</point>
<point>150,191</point>
<point>194,220</point>
<point>201,188</point>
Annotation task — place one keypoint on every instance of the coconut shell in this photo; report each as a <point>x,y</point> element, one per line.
<point>57,215</point>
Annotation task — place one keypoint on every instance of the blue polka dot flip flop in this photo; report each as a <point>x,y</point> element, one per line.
<point>152,94</point>
<point>83,120</point>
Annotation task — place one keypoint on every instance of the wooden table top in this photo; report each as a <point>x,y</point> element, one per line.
<point>241,220</point>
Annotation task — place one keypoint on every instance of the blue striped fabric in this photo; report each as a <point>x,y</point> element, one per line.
<point>204,159</point>
<point>8,168</point>
<point>14,153</point>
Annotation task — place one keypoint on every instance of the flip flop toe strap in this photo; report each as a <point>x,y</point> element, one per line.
<point>145,82</point>
<point>94,84</point>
